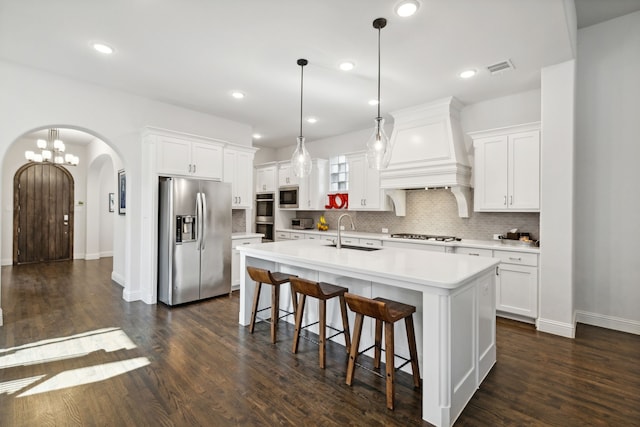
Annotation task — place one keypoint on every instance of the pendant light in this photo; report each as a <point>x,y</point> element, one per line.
<point>301,160</point>
<point>378,147</point>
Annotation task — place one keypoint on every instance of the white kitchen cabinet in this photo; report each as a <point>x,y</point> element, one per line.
<point>517,283</point>
<point>364,185</point>
<point>238,170</point>
<point>312,189</point>
<point>266,179</point>
<point>235,258</point>
<point>507,169</point>
<point>180,156</point>
<point>418,246</point>
<point>286,177</point>
<point>474,251</point>
<point>283,235</point>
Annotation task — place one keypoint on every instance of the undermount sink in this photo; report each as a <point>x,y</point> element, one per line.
<point>358,248</point>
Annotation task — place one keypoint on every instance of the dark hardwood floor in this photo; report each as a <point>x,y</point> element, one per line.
<point>194,365</point>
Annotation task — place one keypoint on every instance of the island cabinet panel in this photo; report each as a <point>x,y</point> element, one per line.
<point>454,298</point>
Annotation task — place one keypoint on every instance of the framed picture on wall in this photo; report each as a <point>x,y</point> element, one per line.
<point>122,192</point>
<point>112,202</point>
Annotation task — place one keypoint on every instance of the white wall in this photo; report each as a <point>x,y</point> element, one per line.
<point>607,224</point>
<point>33,99</point>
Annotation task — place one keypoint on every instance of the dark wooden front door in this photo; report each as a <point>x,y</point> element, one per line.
<point>42,213</point>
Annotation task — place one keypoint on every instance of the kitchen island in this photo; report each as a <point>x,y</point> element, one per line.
<point>454,296</point>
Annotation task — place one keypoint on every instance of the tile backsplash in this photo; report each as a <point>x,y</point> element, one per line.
<point>238,220</point>
<point>436,212</point>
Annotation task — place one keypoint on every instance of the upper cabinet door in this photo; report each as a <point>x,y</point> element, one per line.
<point>524,171</point>
<point>174,156</point>
<point>238,170</point>
<point>206,160</point>
<point>491,165</point>
<point>286,177</point>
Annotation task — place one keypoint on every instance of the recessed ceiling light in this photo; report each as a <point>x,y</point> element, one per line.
<point>103,48</point>
<point>256,136</point>
<point>407,8</point>
<point>311,120</point>
<point>373,102</point>
<point>237,94</point>
<point>467,74</point>
<point>347,66</point>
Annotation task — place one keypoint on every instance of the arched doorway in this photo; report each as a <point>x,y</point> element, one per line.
<point>43,213</point>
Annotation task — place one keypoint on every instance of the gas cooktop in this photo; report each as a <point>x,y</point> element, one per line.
<point>426,237</point>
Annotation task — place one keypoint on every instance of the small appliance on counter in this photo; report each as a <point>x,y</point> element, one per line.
<point>520,238</point>
<point>302,223</point>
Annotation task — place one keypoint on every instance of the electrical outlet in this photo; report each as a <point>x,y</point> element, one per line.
<point>496,237</point>
<point>385,230</point>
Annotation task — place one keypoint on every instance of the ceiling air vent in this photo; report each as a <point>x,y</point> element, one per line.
<point>500,67</point>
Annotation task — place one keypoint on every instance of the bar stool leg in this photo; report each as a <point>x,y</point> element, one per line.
<point>294,300</point>
<point>413,352</point>
<point>389,350</point>
<point>378,343</point>
<point>299,314</point>
<point>254,310</point>
<point>353,355</point>
<point>322,308</point>
<point>345,324</point>
<point>275,311</point>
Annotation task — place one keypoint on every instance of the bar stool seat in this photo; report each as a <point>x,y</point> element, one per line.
<point>387,312</point>
<point>322,292</point>
<point>275,279</point>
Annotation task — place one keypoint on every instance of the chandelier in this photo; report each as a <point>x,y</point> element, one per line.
<point>52,150</point>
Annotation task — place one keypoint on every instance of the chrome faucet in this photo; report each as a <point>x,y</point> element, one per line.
<point>353,227</point>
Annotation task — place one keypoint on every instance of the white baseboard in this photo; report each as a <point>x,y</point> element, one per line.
<point>6,261</point>
<point>131,296</point>
<point>1,317</point>
<point>79,256</point>
<point>119,279</point>
<point>609,322</point>
<point>556,328</point>
<point>91,257</point>
<point>106,254</point>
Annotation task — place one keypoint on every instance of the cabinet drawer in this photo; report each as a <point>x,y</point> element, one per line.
<point>371,242</point>
<point>350,241</point>
<point>474,251</point>
<point>297,236</point>
<point>247,241</point>
<point>283,235</point>
<point>518,258</point>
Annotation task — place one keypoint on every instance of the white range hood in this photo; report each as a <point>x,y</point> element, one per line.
<point>428,151</point>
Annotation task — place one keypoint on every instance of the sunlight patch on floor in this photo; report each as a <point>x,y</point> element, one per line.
<point>91,374</point>
<point>109,339</point>
<point>74,346</point>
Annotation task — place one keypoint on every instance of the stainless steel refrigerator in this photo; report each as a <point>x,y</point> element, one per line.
<point>194,240</point>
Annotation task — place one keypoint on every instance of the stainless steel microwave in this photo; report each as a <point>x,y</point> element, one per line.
<point>288,197</point>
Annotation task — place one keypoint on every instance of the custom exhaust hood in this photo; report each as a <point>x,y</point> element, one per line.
<point>428,151</point>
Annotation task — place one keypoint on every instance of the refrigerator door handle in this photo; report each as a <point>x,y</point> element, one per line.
<point>203,222</point>
<point>199,219</point>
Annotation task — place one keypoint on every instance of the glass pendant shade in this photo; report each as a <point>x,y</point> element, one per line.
<point>301,160</point>
<point>378,147</point>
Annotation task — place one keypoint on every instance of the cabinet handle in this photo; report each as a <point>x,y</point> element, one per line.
<point>515,259</point>
<point>505,201</point>
<point>368,243</point>
<point>474,254</point>
<point>246,243</point>
<point>189,168</point>
<point>194,168</point>
<point>497,271</point>
<point>511,200</point>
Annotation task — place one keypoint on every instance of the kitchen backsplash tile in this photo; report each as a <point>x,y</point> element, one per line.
<point>238,221</point>
<point>436,212</point>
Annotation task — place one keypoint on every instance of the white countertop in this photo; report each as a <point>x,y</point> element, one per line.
<point>482,244</point>
<point>446,271</point>
<point>245,235</point>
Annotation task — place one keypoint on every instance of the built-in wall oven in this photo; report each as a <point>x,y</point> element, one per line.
<point>265,207</point>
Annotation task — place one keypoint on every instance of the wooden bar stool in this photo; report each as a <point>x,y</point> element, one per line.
<point>389,312</point>
<point>275,279</point>
<point>323,292</point>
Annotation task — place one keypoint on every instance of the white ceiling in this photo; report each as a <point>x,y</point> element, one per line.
<point>193,53</point>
